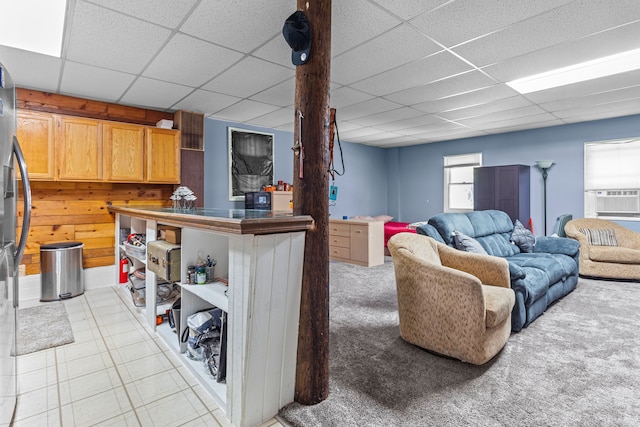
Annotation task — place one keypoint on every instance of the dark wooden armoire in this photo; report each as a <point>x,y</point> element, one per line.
<point>504,188</point>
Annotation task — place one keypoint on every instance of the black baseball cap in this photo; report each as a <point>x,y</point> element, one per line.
<point>297,33</point>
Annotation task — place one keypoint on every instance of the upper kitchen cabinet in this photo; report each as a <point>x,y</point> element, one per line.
<point>79,149</point>
<point>163,155</point>
<point>36,137</point>
<point>123,147</point>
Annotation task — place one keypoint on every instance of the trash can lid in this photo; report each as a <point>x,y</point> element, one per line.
<point>60,245</point>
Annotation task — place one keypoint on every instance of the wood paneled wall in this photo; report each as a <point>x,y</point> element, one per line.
<point>78,211</point>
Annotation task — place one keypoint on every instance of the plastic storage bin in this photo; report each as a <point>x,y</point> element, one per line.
<point>61,274</point>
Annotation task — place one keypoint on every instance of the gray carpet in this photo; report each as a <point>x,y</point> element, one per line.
<point>577,365</point>
<point>43,326</point>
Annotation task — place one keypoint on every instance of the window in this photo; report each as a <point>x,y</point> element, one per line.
<point>458,181</point>
<point>612,179</point>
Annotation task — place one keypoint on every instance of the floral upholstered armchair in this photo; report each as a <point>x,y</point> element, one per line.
<point>451,302</point>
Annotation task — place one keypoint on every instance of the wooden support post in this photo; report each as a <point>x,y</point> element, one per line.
<point>311,197</point>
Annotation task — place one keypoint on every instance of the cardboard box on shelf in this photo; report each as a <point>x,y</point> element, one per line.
<point>170,234</point>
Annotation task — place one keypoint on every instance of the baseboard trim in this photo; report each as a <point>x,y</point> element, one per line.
<point>94,278</point>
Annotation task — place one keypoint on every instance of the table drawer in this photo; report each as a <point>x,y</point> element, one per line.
<point>359,231</point>
<point>341,241</point>
<point>338,252</point>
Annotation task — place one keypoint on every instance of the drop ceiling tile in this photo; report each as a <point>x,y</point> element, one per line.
<point>355,21</point>
<point>388,116</point>
<point>400,140</point>
<point>373,106</point>
<point>205,102</point>
<point>628,104</point>
<point>286,127</point>
<point>103,38</point>
<point>466,82</point>
<point>462,20</point>
<point>282,94</point>
<point>526,126</point>
<point>424,71</point>
<point>191,62</point>
<point>248,77</point>
<point>560,25</point>
<point>154,93</point>
<point>345,96</point>
<point>490,107</point>
<point>501,116</point>
<point>95,83</point>
<point>585,88</point>
<point>397,46</point>
<point>420,121</point>
<point>244,111</point>
<point>468,99</point>
<point>519,121</point>
<point>275,50</point>
<point>422,131</point>
<point>449,134</point>
<point>345,126</point>
<point>603,115</point>
<point>275,119</point>
<point>357,133</point>
<point>595,99</point>
<point>238,25</point>
<point>31,70</point>
<point>605,43</point>
<point>407,9</point>
<point>168,13</point>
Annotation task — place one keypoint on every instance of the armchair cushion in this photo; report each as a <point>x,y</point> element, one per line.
<point>615,254</point>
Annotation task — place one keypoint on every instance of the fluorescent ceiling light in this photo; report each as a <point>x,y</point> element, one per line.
<point>34,25</point>
<point>602,67</point>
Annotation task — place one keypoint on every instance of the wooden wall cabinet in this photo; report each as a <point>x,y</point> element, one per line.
<point>67,148</point>
<point>36,132</point>
<point>123,159</point>
<point>357,242</point>
<point>163,155</point>
<point>505,188</point>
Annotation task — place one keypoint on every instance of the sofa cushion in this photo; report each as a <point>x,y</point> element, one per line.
<point>600,236</point>
<point>523,237</point>
<point>554,266</point>
<point>447,223</point>
<point>467,244</point>
<point>498,304</point>
<point>499,245</point>
<point>615,254</point>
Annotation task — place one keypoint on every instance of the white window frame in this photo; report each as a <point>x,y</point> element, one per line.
<point>469,160</point>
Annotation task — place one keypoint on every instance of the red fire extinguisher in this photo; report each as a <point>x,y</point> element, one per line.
<point>124,270</point>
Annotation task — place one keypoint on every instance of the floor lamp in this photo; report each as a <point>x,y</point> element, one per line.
<point>544,166</point>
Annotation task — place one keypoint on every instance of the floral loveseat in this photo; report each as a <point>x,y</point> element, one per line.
<point>538,278</point>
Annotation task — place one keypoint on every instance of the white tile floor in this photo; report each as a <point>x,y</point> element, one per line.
<point>116,373</point>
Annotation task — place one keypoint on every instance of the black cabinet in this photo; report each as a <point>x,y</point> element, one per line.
<point>504,188</point>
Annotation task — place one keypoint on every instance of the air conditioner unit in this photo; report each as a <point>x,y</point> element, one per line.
<point>618,202</point>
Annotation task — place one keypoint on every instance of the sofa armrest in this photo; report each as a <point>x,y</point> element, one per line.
<point>489,269</point>
<point>556,245</point>
<point>516,272</point>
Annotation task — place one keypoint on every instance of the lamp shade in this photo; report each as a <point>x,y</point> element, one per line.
<point>544,164</point>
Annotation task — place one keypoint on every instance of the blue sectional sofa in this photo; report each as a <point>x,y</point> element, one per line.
<point>538,278</point>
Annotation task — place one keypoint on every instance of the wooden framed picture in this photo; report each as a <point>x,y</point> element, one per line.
<point>250,161</point>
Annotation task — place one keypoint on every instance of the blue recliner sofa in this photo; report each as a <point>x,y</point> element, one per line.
<point>538,278</point>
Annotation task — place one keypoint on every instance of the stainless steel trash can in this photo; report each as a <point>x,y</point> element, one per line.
<point>61,274</point>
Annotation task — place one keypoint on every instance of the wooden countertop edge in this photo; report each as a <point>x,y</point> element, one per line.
<point>226,225</point>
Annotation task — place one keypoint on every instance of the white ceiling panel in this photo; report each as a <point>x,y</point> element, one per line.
<point>396,47</point>
<point>354,22</point>
<point>104,38</point>
<point>427,70</point>
<point>402,72</point>
<point>95,83</point>
<point>208,61</point>
<point>560,25</point>
<point>461,83</point>
<point>248,77</point>
<point>488,108</point>
<point>463,20</point>
<point>282,94</point>
<point>168,13</point>
<point>31,70</point>
<point>240,25</point>
<point>203,101</point>
<point>244,110</point>
<point>149,92</point>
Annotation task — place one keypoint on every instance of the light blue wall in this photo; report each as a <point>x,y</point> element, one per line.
<point>419,168</point>
<point>362,190</point>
